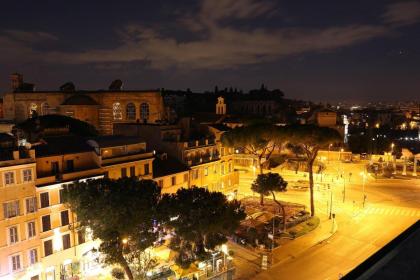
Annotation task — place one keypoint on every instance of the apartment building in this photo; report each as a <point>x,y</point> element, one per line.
<point>39,237</point>
<point>195,145</point>
<point>19,243</point>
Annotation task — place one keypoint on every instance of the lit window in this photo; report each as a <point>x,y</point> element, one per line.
<point>33,256</point>
<point>11,209</point>
<point>27,175</point>
<point>9,178</point>
<point>31,205</point>
<point>116,111</point>
<point>31,229</point>
<point>16,264</point>
<point>13,235</point>
<point>206,171</point>
<point>33,108</point>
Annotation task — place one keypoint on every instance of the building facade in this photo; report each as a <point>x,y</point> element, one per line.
<point>99,108</point>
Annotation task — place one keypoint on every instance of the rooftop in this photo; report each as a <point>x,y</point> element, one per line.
<point>116,140</point>
<point>80,99</point>
<point>61,145</point>
<point>168,166</point>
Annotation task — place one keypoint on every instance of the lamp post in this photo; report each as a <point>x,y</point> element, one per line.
<point>331,200</point>
<point>363,174</point>
<point>329,149</point>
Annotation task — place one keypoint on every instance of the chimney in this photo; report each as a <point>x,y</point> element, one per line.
<point>16,81</point>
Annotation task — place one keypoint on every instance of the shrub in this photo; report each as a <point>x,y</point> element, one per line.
<point>117,273</point>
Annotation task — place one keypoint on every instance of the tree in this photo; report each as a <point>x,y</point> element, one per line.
<point>202,220</point>
<point>120,213</point>
<point>311,139</point>
<point>270,183</point>
<point>259,140</point>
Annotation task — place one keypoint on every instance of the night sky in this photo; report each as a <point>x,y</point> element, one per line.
<point>318,50</point>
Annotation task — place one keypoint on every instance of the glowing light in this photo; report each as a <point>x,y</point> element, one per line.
<point>125,241</point>
<point>57,242</point>
<point>225,249</point>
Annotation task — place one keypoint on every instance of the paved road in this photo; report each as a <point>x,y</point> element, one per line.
<point>391,206</point>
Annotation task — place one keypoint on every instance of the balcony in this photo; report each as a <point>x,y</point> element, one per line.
<point>199,143</point>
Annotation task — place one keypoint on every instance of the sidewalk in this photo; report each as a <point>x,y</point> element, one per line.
<point>298,246</point>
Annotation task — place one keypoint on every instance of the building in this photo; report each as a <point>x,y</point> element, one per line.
<point>20,247</point>
<point>195,145</point>
<point>100,108</point>
<point>39,238</point>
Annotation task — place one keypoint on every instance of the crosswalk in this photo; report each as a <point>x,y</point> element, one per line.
<point>392,211</point>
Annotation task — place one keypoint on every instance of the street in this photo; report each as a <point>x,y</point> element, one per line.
<point>391,205</point>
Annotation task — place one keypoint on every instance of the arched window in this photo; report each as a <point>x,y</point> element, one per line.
<point>116,111</point>
<point>45,108</point>
<point>130,111</point>
<point>33,109</point>
<point>144,111</point>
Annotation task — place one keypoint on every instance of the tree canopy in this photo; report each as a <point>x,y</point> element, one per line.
<point>121,213</point>
<point>310,139</point>
<point>202,220</point>
<point>259,140</point>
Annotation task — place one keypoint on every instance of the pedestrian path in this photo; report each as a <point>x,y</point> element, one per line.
<point>392,211</point>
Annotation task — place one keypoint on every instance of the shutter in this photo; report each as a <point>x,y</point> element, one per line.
<point>27,205</point>
<point>5,210</point>
<point>17,208</point>
<point>35,203</point>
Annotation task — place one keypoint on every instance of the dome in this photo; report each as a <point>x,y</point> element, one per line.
<point>80,99</point>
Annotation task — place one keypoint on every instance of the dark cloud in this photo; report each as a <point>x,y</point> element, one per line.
<point>403,13</point>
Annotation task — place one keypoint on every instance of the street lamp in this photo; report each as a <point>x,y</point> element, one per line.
<point>363,174</point>
<point>329,148</point>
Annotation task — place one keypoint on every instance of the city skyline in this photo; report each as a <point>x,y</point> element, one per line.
<point>325,51</point>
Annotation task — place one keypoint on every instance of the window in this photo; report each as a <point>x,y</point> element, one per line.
<point>116,111</point>
<point>206,171</point>
<point>54,167</point>
<point>123,172</point>
<point>146,169</point>
<point>33,108</point>
<point>46,223</point>
<point>64,218</point>
<point>66,241</point>
<point>31,229</point>
<point>31,205</point>
<point>70,165</point>
<point>13,235</point>
<point>173,180</point>
<point>16,264</point>
<point>48,247</point>
<point>160,183</point>
<point>45,199</point>
<point>60,194</point>
<point>45,108</point>
<point>130,111</point>
<point>33,256</point>
<point>27,175</point>
<point>222,168</point>
<point>185,177</point>
<point>81,237</point>
<point>132,171</point>
<point>144,111</point>
<point>9,178</point>
<point>11,209</point>
<point>195,174</point>
<point>230,167</point>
